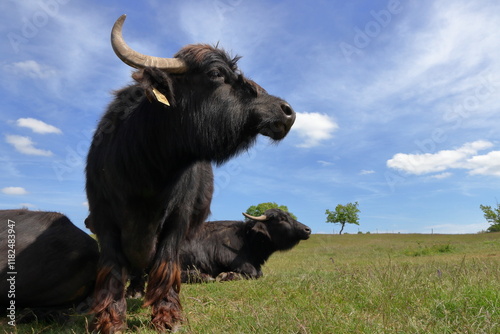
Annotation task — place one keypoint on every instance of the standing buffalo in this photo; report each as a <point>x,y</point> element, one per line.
<point>47,262</point>
<point>241,247</point>
<point>149,174</point>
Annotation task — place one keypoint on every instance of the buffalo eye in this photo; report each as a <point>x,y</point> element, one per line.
<point>215,74</point>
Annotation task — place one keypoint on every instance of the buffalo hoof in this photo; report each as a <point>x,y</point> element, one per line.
<point>110,321</point>
<point>163,328</point>
<point>166,315</point>
<point>134,294</point>
<point>194,276</point>
<point>166,320</point>
<point>100,327</point>
<point>228,276</point>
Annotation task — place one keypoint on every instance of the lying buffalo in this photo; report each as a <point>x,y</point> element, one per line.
<point>240,247</point>
<point>46,263</point>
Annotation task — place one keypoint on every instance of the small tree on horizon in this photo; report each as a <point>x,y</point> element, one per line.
<point>259,209</point>
<point>343,214</point>
<point>492,216</point>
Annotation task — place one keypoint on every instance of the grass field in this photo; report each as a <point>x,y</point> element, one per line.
<point>370,283</point>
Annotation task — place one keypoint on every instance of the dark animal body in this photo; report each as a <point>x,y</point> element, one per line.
<point>149,173</point>
<point>240,247</point>
<point>54,262</point>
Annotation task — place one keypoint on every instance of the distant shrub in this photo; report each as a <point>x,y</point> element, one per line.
<point>444,248</point>
<point>494,228</point>
<point>429,250</point>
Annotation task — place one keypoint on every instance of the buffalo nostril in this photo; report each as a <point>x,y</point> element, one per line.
<point>287,109</point>
<point>307,230</point>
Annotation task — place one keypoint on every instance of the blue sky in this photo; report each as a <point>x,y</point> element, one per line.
<point>398,103</point>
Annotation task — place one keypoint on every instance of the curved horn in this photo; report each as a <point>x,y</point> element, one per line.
<point>260,218</point>
<point>138,60</point>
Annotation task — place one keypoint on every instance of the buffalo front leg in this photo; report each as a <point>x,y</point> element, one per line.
<point>109,305</point>
<point>162,294</point>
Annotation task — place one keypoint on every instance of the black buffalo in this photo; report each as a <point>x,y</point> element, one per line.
<point>46,263</point>
<point>240,247</point>
<point>149,174</point>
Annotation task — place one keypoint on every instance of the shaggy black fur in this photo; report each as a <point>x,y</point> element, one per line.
<point>149,174</point>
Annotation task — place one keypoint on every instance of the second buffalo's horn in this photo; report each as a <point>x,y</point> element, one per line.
<point>260,218</point>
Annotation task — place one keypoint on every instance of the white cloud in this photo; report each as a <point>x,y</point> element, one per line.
<point>463,157</point>
<point>31,69</point>
<point>26,146</point>
<point>14,191</point>
<point>449,68</point>
<point>194,19</point>
<point>37,126</point>
<point>8,167</point>
<point>67,44</point>
<point>488,164</point>
<point>366,172</point>
<point>325,163</point>
<point>314,128</point>
<point>209,21</point>
<point>442,175</point>
<point>444,44</point>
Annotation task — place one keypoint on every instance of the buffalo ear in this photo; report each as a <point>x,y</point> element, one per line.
<point>260,229</point>
<point>157,85</point>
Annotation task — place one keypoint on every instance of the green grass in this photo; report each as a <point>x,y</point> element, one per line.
<point>370,283</point>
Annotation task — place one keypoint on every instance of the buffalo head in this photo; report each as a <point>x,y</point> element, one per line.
<point>225,109</point>
<point>281,229</point>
